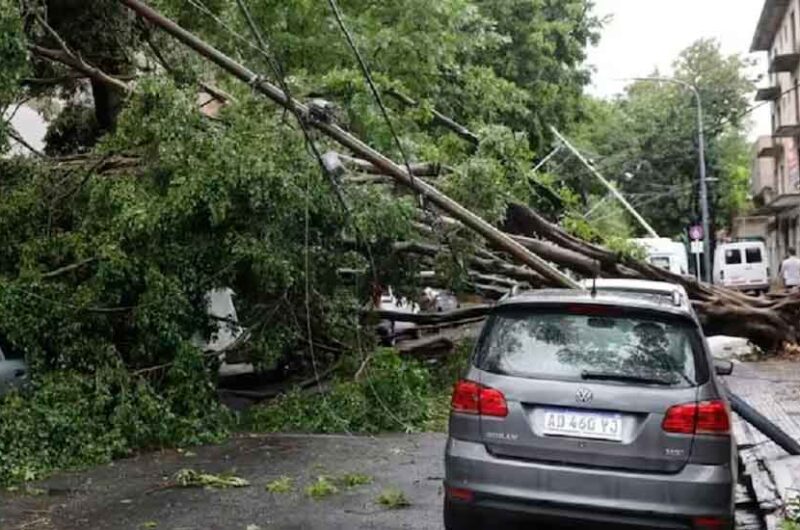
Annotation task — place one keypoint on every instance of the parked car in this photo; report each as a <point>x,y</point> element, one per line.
<point>665,253</point>
<point>389,329</point>
<point>601,409</point>
<point>13,370</point>
<point>742,265</point>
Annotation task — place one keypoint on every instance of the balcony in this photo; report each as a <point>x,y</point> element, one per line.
<point>784,62</point>
<point>789,130</point>
<point>770,93</point>
<point>769,24</point>
<point>771,150</point>
<point>783,202</point>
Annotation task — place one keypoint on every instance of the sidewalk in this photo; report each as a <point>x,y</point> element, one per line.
<point>773,388</point>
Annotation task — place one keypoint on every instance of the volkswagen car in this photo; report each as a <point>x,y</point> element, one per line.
<point>598,408</point>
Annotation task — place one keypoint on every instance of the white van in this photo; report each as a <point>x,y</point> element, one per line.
<point>742,265</point>
<point>665,253</point>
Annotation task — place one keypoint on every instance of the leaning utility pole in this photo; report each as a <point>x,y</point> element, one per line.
<point>613,189</point>
<point>490,233</point>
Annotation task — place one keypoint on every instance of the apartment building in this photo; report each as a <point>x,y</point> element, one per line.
<point>776,166</point>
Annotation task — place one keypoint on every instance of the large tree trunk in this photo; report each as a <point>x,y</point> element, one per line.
<point>767,321</point>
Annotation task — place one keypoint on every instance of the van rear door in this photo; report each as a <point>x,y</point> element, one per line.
<point>732,270</point>
<point>756,272</point>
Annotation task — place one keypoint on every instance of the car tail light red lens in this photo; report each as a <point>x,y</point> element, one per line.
<point>707,417</point>
<point>710,523</point>
<point>460,494</point>
<point>472,398</point>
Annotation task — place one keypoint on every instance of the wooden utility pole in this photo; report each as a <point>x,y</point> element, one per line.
<point>497,238</point>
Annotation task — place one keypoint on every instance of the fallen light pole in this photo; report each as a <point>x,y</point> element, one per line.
<point>486,230</point>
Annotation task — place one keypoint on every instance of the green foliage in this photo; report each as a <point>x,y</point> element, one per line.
<point>106,260</point>
<point>71,420</point>
<point>391,395</point>
<point>393,499</point>
<point>280,485</point>
<point>75,130</point>
<point>354,480</point>
<point>323,487</point>
<point>13,60</point>
<point>647,140</point>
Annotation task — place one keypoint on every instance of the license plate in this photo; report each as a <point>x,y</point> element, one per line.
<point>580,424</point>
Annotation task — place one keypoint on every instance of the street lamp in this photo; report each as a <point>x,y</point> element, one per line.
<point>702,156</point>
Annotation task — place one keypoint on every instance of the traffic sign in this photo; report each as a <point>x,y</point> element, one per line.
<point>696,232</point>
<point>697,247</point>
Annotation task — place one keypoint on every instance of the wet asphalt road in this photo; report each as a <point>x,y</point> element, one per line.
<point>130,494</point>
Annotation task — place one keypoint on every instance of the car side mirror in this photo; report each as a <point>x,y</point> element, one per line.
<point>723,367</point>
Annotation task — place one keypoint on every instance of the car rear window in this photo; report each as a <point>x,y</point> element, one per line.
<point>733,256</point>
<point>574,347</point>
<point>753,255</point>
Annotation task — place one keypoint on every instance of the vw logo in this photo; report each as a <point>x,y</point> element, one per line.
<point>584,395</point>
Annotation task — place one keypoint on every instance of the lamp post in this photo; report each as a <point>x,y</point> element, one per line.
<point>702,156</point>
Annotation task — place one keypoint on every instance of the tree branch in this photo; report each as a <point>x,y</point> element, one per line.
<point>439,118</point>
<point>68,268</point>
<point>14,135</point>
<point>78,64</point>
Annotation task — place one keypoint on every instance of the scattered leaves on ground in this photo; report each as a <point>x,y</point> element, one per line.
<point>189,478</point>
<point>282,484</point>
<point>150,524</point>
<point>393,499</point>
<point>353,480</point>
<point>323,487</point>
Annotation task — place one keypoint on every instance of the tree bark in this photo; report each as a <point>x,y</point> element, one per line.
<point>767,322</point>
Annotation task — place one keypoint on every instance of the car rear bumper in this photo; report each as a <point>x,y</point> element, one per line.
<point>589,494</point>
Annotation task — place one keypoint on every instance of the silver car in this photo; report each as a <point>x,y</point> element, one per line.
<point>598,408</point>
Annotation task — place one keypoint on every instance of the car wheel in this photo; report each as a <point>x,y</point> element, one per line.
<point>458,518</point>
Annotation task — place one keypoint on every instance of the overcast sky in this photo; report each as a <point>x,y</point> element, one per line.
<point>644,34</point>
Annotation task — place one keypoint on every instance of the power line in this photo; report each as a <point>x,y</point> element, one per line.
<point>368,77</point>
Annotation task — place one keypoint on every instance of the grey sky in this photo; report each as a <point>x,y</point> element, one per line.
<point>644,34</point>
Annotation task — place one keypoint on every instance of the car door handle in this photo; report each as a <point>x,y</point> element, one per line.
<point>20,373</point>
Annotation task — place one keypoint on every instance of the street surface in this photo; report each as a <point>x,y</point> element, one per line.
<point>135,493</point>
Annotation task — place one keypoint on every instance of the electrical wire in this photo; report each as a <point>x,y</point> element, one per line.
<point>368,77</point>
<point>275,65</point>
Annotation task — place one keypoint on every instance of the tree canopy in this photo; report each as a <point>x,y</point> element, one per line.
<point>646,139</point>
<point>162,179</point>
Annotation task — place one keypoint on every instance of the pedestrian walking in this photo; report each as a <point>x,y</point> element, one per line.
<point>790,271</point>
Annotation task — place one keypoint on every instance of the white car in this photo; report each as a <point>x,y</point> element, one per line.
<point>676,292</point>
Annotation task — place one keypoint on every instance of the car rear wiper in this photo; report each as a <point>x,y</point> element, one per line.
<point>616,376</point>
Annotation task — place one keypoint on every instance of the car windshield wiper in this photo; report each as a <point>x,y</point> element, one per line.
<point>616,376</point>
<point>665,358</point>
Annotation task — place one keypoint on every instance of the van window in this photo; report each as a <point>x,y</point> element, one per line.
<point>753,255</point>
<point>733,256</point>
<point>660,261</point>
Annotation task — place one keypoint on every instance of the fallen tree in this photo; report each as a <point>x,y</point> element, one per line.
<point>766,322</point>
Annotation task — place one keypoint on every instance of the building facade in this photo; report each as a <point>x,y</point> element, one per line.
<point>776,166</point>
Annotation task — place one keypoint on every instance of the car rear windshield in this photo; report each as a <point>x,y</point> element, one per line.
<point>626,349</point>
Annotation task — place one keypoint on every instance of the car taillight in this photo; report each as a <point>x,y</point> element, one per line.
<point>472,398</point>
<point>707,417</point>
<point>709,523</point>
<point>460,494</point>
